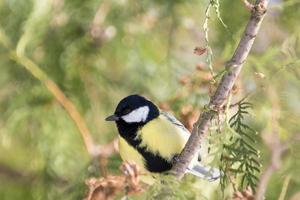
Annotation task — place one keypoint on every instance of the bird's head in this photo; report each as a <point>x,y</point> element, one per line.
<point>134,110</point>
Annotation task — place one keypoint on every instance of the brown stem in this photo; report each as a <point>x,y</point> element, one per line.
<point>60,97</point>
<point>233,67</point>
<point>276,147</point>
<point>248,5</point>
<point>7,173</point>
<point>266,175</point>
<point>93,150</point>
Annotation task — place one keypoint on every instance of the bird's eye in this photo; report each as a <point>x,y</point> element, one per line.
<point>126,111</point>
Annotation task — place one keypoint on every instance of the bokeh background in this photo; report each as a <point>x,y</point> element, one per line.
<point>98,51</point>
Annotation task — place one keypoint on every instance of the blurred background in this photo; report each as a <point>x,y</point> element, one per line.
<point>64,65</point>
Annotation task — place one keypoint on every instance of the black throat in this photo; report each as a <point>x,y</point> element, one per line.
<point>129,130</point>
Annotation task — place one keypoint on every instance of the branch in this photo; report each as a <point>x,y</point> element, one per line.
<point>277,149</point>
<point>93,150</point>
<point>67,104</point>
<point>248,5</point>
<point>276,146</point>
<point>12,174</point>
<point>233,69</point>
<point>20,176</point>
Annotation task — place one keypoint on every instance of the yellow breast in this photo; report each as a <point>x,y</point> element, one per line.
<point>128,153</point>
<point>161,137</point>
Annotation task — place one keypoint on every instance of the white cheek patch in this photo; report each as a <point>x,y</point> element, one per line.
<point>137,115</point>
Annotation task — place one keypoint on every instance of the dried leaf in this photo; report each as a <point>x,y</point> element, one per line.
<point>107,188</point>
<point>184,79</point>
<point>200,66</point>
<point>189,116</point>
<point>199,51</point>
<point>164,106</point>
<point>244,195</point>
<point>186,109</point>
<point>259,75</point>
<point>235,89</point>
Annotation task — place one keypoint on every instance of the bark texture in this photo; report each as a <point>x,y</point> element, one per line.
<point>233,68</point>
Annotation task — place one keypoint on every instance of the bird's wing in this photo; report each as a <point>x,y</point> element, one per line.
<point>172,119</point>
<point>164,135</point>
<point>195,168</point>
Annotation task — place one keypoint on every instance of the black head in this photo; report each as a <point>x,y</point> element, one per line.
<point>134,110</point>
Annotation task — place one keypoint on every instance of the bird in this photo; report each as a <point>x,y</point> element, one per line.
<point>153,139</point>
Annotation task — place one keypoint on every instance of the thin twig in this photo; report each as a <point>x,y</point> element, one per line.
<point>34,69</point>
<point>97,28</point>
<point>277,148</point>
<point>95,151</point>
<point>240,101</point>
<point>7,173</point>
<point>274,165</point>
<point>209,53</point>
<point>284,187</point>
<point>248,5</point>
<point>67,104</point>
<point>233,68</point>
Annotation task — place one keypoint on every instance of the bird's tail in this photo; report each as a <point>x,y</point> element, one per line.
<point>204,172</point>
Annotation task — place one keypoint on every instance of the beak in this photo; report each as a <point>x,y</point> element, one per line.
<point>112,118</point>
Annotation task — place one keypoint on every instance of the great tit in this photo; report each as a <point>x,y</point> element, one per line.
<point>153,139</point>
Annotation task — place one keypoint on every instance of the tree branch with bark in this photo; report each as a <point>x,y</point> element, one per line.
<point>233,68</point>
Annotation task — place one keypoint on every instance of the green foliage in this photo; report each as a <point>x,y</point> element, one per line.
<point>240,158</point>
<point>215,4</point>
<point>137,47</point>
<point>168,188</point>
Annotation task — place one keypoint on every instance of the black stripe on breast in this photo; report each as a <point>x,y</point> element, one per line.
<point>154,162</point>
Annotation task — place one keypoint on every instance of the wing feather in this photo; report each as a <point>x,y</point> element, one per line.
<point>172,119</point>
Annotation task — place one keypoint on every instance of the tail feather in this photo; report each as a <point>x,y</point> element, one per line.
<point>204,172</point>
